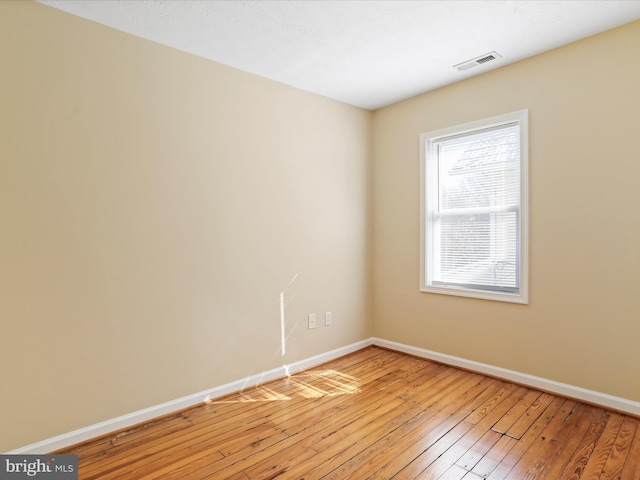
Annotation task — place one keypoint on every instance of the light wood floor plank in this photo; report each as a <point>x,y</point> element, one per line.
<point>494,456</point>
<point>463,437</point>
<point>519,449</point>
<point>518,429</point>
<point>408,446</point>
<point>515,412</point>
<point>631,467</point>
<point>620,451</point>
<point>577,463</point>
<point>536,459</point>
<point>339,460</point>
<point>602,450</point>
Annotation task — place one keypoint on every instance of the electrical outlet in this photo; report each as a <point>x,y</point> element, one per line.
<point>312,321</point>
<point>327,318</point>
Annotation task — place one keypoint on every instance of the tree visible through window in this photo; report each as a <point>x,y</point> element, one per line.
<point>474,209</point>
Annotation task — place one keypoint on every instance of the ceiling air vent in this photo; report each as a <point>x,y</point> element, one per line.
<point>474,62</point>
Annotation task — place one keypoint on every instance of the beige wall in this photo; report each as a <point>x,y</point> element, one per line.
<point>153,205</point>
<point>582,325</point>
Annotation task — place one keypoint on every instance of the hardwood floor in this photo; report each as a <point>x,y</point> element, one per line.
<point>376,414</point>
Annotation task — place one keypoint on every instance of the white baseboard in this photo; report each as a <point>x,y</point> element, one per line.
<point>589,396</point>
<point>124,421</point>
<point>65,440</point>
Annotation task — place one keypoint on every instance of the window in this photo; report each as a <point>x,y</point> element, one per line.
<point>474,209</point>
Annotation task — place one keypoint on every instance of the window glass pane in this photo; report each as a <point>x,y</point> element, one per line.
<point>477,250</point>
<point>479,169</point>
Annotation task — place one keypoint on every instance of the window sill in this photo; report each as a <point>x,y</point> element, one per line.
<point>521,298</point>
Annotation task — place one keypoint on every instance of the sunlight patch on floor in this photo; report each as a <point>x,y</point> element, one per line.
<point>313,384</point>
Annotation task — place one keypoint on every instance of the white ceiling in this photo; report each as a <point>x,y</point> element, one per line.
<point>364,53</point>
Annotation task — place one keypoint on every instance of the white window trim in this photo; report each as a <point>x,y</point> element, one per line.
<point>522,297</point>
